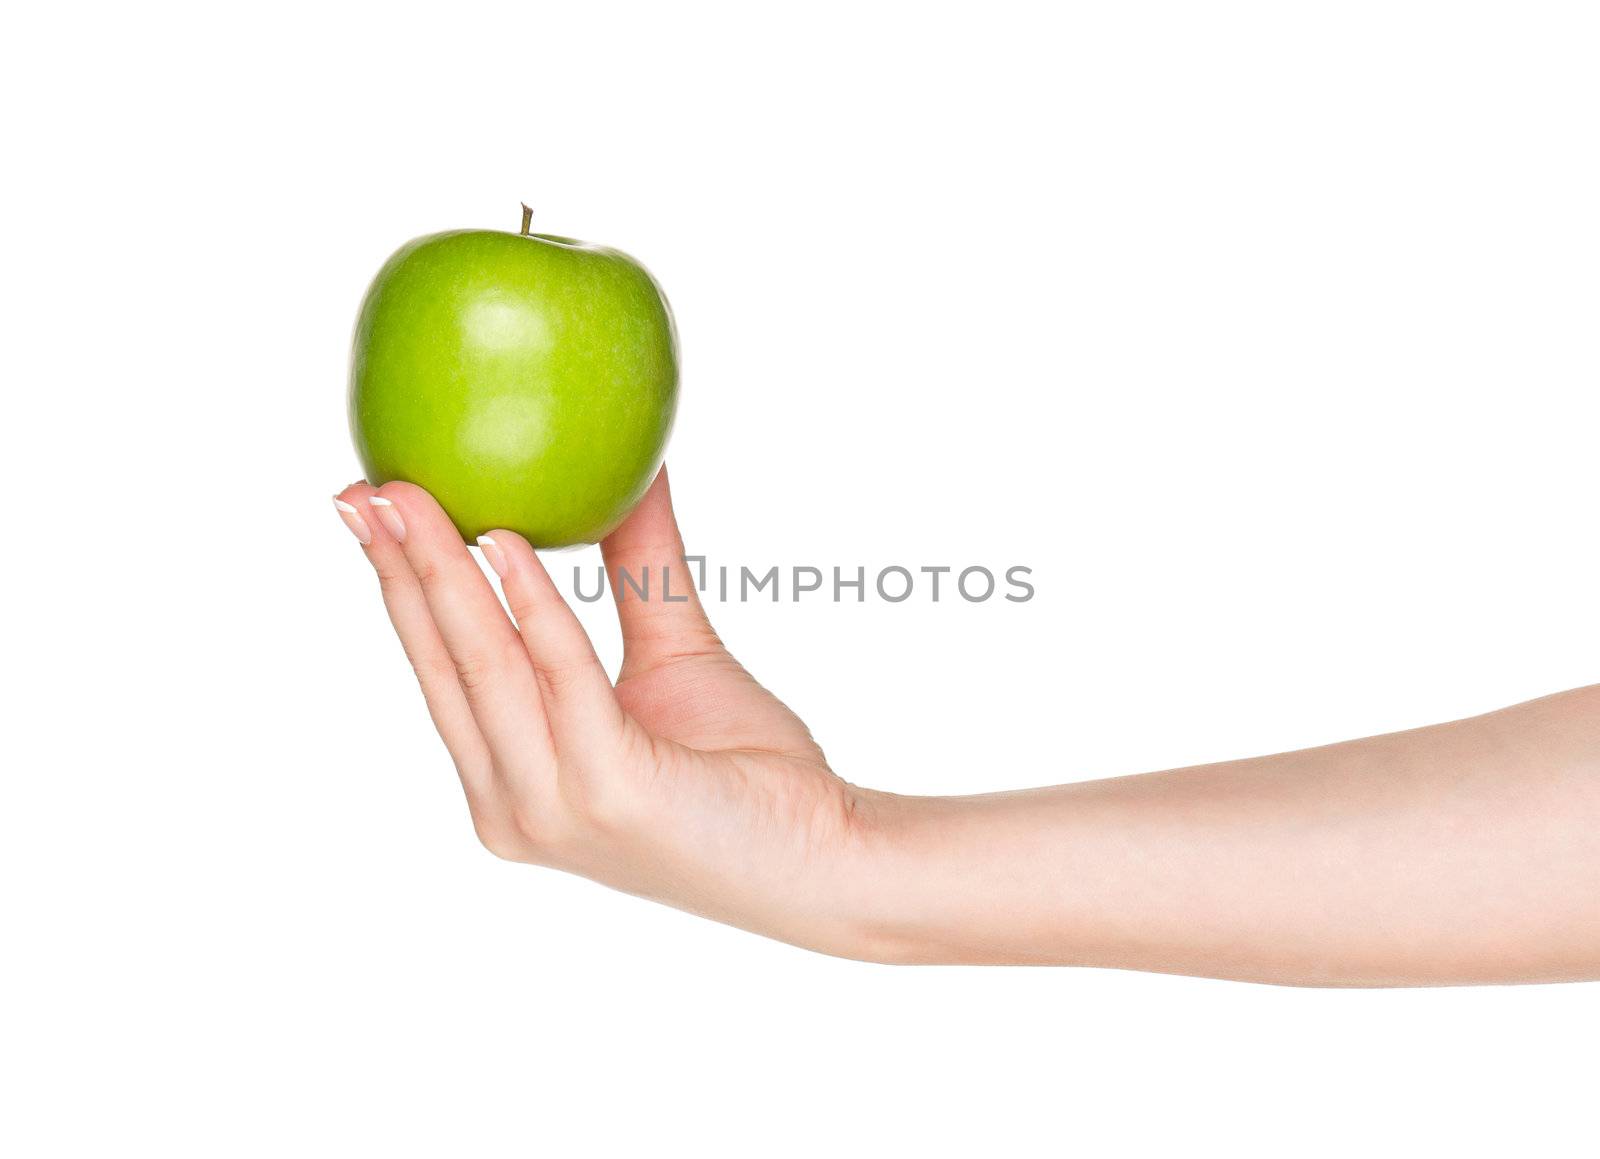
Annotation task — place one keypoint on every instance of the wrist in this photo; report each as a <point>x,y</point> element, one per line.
<point>963,880</point>
<point>887,881</point>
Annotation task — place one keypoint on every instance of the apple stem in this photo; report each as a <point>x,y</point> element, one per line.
<point>527,218</point>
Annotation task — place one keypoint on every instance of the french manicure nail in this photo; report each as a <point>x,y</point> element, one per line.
<point>352,519</point>
<point>389,516</point>
<point>495,555</point>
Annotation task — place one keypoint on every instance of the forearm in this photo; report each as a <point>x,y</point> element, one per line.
<point>1465,852</point>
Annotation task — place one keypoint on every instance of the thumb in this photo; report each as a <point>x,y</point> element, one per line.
<point>655,592</point>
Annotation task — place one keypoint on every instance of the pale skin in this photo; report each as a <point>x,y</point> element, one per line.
<point>1466,852</point>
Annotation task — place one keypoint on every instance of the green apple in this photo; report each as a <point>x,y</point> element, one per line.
<point>527,381</point>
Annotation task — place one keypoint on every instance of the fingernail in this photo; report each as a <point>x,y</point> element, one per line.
<point>496,557</point>
<point>352,519</point>
<point>389,516</point>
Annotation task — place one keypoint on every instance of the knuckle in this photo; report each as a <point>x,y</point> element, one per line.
<point>475,672</point>
<point>432,671</point>
<point>559,677</point>
<point>608,806</point>
<point>479,669</point>
<point>500,839</point>
<point>611,798</point>
<point>515,831</point>
<point>522,608</point>
<point>394,577</point>
<point>426,570</point>
<point>618,813</point>
<point>533,829</point>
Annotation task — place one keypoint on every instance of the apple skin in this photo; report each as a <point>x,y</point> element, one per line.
<point>527,381</point>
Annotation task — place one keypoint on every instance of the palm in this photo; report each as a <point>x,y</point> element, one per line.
<point>708,702</point>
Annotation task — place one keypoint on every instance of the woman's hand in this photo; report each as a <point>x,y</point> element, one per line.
<point>1465,852</point>
<point>686,782</point>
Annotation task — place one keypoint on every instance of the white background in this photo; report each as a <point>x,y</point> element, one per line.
<point>1265,333</point>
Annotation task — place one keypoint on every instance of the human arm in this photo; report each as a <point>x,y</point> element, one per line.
<point>1465,852</point>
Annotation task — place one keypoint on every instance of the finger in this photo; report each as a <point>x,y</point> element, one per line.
<point>408,612</point>
<point>579,701</point>
<point>484,649</point>
<point>656,596</point>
